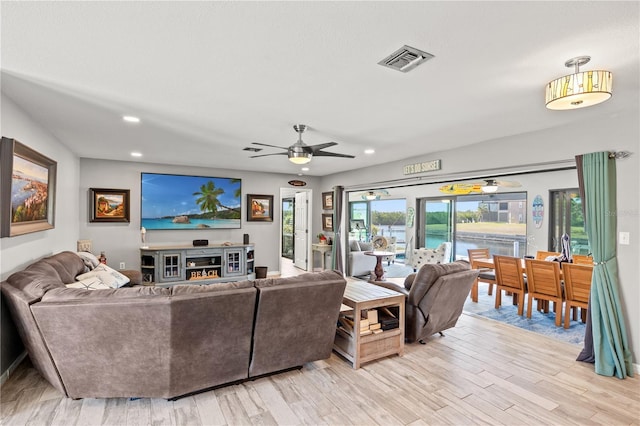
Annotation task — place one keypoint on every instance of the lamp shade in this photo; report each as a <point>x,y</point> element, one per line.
<point>580,89</point>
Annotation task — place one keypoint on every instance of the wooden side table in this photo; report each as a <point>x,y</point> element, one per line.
<point>379,270</point>
<point>362,296</point>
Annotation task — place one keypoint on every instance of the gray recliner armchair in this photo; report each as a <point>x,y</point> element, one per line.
<point>435,297</point>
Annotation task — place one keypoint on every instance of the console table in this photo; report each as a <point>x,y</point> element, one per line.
<point>186,264</point>
<point>322,249</point>
<point>362,296</point>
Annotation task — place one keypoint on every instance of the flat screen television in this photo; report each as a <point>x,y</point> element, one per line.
<point>189,202</point>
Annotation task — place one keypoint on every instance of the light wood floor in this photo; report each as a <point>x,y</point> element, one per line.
<point>481,372</point>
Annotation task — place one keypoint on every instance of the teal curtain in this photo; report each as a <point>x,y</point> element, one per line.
<point>336,250</point>
<point>610,352</point>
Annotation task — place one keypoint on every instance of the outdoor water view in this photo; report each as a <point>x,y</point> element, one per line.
<point>473,221</point>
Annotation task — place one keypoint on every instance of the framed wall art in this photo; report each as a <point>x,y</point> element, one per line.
<point>327,200</point>
<point>108,205</point>
<point>28,187</point>
<point>327,222</point>
<point>259,208</point>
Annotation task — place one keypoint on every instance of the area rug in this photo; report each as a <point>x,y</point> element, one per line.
<point>397,270</point>
<point>539,323</point>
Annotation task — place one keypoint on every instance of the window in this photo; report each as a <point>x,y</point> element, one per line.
<point>566,217</point>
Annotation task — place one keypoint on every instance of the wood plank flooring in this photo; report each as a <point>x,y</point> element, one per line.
<point>481,372</point>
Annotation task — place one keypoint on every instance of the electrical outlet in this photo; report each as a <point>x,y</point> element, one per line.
<point>623,238</point>
<point>122,266</point>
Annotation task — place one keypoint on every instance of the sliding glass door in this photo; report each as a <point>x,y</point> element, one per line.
<point>495,221</point>
<point>436,221</point>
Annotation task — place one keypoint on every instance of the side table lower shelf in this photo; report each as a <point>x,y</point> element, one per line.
<point>356,348</point>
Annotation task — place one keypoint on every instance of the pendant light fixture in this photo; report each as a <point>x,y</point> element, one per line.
<point>580,89</point>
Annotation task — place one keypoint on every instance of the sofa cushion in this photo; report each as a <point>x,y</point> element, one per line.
<point>182,289</point>
<point>35,280</point>
<point>67,265</point>
<point>354,246</point>
<point>109,295</point>
<point>107,275</point>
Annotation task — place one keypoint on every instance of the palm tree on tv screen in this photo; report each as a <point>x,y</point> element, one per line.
<point>208,198</point>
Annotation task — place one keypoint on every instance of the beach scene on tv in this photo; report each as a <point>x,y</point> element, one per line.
<point>189,202</point>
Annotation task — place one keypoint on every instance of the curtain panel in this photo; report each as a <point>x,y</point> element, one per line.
<point>606,341</point>
<point>336,250</point>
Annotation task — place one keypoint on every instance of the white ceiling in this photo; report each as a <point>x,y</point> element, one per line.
<point>209,78</point>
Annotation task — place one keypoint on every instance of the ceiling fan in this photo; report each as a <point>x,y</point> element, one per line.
<point>374,195</point>
<point>487,186</point>
<point>300,152</point>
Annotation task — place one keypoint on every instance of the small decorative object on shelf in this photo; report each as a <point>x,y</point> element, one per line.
<point>322,238</point>
<point>102,258</point>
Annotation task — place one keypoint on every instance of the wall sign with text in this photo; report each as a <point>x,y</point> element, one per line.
<point>427,166</point>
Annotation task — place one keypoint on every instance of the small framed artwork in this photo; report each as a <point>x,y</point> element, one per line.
<point>259,208</point>
<point>327,222</point>
<point>327,200</point>
<point>109,205</point>
<point>27,188</point>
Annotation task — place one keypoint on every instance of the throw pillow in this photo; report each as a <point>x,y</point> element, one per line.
<point>91,283</point>
<point>89,259</point>
<point>353,245</point>
<point>365,246</point>
<point>107,275</point>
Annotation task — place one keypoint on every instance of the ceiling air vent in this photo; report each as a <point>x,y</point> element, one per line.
<point>405,59</point>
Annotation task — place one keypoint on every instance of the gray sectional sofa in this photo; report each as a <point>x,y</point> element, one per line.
<point>168,342</point>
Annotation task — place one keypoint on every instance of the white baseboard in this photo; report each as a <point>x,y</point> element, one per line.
<point>12,367</point>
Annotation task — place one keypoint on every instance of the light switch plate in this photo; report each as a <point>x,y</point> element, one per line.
<point>623,238</point>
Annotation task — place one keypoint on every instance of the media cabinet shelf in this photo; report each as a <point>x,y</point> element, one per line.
<point>185,264</point>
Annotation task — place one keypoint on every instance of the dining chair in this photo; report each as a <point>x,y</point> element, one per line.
<point>582,259</point>
<point>543,283</point>
<point>542,255</point>
<point>577,288</point>
<point>486,275</point>
<point>509,277</point>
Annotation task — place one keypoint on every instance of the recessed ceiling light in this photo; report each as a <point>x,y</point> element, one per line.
<point>305,169</point>
<point>369,151</point>
<point>136,154</point>
<point>130,119</point>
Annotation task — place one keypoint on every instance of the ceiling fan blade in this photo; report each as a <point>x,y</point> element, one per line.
<point>331,154</point>
<point>508,183</point>
<point>266,155</point>
<point>266,144</point>
<point>316,148</point>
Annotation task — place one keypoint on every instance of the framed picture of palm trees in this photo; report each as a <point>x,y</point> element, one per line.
<point>259,208</point>
<point>109,205</point>
<point>189,202</point>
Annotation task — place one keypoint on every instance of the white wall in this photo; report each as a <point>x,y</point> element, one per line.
<point>18,252</point>
<point>24,249</point>
<point>121,241</point>
<point>617,132</point>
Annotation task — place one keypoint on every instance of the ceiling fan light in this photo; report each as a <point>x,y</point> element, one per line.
<point>299,157</point>
<point>490,188</point>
